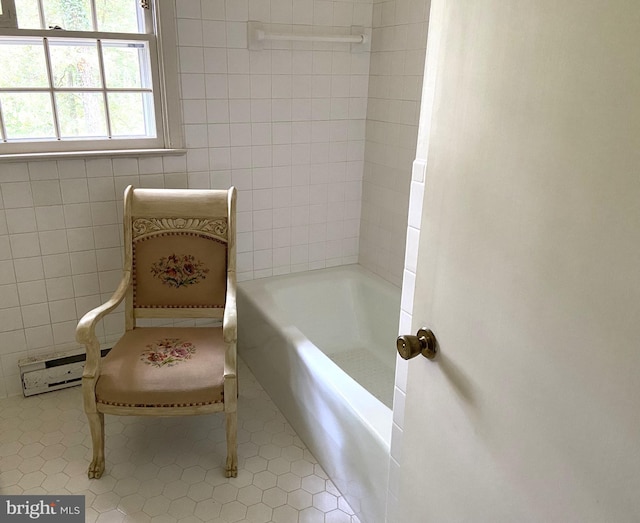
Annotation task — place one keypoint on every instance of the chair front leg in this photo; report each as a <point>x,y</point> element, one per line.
<point>96,424</point>
<point>231,423</point>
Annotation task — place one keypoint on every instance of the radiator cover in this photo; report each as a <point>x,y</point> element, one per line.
<point>57,370</point>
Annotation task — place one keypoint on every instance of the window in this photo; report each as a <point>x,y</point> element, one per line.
<point>83,75</point>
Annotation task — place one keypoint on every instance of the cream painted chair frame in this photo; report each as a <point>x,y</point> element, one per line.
<point>198,204</point>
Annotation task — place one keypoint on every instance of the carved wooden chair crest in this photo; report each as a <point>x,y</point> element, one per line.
<point>180,262</point>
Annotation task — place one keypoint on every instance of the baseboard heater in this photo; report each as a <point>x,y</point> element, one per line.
<point>54,371</point>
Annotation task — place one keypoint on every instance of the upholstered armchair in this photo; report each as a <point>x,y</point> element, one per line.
<point>179,262</point>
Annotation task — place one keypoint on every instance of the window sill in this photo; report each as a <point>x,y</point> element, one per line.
<point>63,155</point>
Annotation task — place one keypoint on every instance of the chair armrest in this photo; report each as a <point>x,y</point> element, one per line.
<point>230,318</point>
<point>86,329</point>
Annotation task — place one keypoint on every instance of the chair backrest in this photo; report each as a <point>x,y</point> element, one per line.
<point>180,248</point>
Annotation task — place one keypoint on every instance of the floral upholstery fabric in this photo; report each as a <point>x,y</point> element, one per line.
<point>163,367</point>
<point>179,270</point>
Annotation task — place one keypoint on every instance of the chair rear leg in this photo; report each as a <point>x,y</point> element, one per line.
<point>231,423</point>
<point>96,424</point>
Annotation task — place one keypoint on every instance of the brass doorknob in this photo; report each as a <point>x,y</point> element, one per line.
<point>424,343</point>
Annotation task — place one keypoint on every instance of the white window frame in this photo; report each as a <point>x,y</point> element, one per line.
<point>161,39</point>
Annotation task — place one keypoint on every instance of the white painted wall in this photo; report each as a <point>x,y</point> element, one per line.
<point>536,162</point>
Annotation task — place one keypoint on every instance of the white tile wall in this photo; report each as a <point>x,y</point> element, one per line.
<point>59,237</point>
<point>274,112</point>
<point>286,125</point>
<point>414,173</point>
<point>405,326</point>
<point>395,85</point>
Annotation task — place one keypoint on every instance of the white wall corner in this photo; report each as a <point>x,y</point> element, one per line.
<point>416,198</point>
<point>419,170</point>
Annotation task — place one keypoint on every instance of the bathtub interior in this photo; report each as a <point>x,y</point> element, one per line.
<point>348,319</point>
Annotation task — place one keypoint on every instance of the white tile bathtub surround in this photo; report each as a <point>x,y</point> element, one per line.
<point>259,94</point>
<point>20,220</point>
<point>24,245</point>
<point>50,218</point>
<point>27,269</point>
<point>405,327</point>
<point>7,273</point>
<point>16,194</point>
<point>5,248</point>
<point>9,296</point>
<point>414,222</point>
<point>286,125</point>
<point>32,292</point>
<point>10,319</point>
<point>395,81</point>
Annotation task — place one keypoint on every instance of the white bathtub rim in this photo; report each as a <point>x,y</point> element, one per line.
<point>374,414</point>
<point>368,409</point>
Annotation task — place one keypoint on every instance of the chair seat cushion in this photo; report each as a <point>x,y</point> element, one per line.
<point>164,367</point>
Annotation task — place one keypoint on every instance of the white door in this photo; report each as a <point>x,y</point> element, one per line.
<point>528,268</point>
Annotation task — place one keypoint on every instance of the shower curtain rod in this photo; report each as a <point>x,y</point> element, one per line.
<point>257,35</point>
<point>290,37</point>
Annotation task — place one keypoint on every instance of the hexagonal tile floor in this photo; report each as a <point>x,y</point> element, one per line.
<point>168,469</point>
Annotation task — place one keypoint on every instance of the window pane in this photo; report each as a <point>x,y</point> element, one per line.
<point>28,15</point>
<point>131,114</point>
<point>81,115</point>
<point>74,63</point>
<point>27,115</point>
<point>126,64</point>
<point>71,15</point>
<point>119,16</point>
<point>23,64</point>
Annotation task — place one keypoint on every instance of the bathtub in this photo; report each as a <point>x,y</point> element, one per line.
<point>322,344</point>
